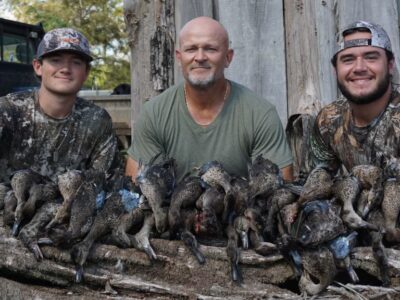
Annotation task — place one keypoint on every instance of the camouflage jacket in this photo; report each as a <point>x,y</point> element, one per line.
<point>31,139</point>
<point>336,140</point>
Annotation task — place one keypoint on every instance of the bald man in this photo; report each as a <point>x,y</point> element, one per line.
<point>208,117</point>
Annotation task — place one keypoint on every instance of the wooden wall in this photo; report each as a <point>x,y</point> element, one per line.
<point>282,47</point>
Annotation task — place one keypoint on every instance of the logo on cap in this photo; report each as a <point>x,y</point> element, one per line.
<point>64,39</point>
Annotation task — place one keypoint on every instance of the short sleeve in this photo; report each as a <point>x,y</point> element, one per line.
<point>270,140</point>
<point>146,142</point>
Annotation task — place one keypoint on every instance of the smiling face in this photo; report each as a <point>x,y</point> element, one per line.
<point>62,73</point>
<point>364,72</point>
<point>203,52</point>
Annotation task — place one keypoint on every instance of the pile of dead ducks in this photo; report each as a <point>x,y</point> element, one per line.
<point>314,223</point>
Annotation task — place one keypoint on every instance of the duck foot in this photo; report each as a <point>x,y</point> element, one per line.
<point>15,228</point>
<point>236,273</point>
<point>353,275</point>
<point>79,274</point>
<point>150,252</point>
<point>191,242</point>
<point>34,247</point>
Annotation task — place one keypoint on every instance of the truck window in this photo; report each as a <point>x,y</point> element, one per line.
<point>17,49</point>
<point>18,43</point>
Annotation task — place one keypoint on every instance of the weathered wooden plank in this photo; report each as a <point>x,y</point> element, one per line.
<point>256,31</point>
<point>310,37</point>
<point>151,37</point>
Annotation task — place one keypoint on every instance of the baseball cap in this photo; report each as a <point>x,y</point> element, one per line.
<point>64,39</point>
<point>379,37</point>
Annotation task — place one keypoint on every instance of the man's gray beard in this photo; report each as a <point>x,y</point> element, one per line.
<point>201,83</point>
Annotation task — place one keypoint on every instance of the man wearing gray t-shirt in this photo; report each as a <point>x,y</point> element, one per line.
<point>208,117</point>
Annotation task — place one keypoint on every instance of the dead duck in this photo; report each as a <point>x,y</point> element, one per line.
<point>38,195</point>
<point>378,249</point>
<point>242,226</point>
<point>21,183</point>
<point>10,203</point>
<point>341,248</point>
<point>319,270</point>
<point>255,232</point>
<point>318,185</point>
<point>3,191</point>
<point>157,182</point>
<point>107,221</point>
<point>289,248</point>
<point>185,195</point>
<point>391,209</point>
<point>370,178</point>
<point>391,202</point>
<point>81,215</point>
<point>185,233</point>
<point>68,183</point>
<point>210,205</point>
<point>141,240</point>
<point>264,178</point>
<point>279,199</point>
<point>346,191</point>
<point>240,196</point>
<point>214,175</point>
<point>318,222</point>
<point>32,234</point>
<point>233,253</point>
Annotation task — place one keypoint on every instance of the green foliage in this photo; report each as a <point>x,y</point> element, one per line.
<point>101,21</point>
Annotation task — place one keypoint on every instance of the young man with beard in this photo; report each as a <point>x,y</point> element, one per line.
<point>208,117</point>
<point>364,127</point>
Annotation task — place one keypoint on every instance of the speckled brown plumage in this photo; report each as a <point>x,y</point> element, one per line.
<point>318,185</point>
<point>391,209</point>
<point>157,181</point>
<point>31,233</point>
<point>112,219</point>
<point>68,184</point>
<point>21,183</point>
<point>185,195</point>
<point>347,190</point>
<point>319,270</point>
<point>371,180</point>
<point>3,191</point>
<point>264,178</point>
<point>211,206</point>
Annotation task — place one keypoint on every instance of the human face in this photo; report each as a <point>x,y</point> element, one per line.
<point>62,73</point>
<point>203,55</point>
<point>363,73</point>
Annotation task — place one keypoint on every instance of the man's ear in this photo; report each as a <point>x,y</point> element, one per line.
<point>178,56</point>
<point>391,66</point>
<point>37,67</point>
<point>229,57</point>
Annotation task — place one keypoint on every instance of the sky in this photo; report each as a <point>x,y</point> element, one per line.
<point>4,13</point>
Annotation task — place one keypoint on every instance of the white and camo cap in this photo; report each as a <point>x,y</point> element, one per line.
<point>64,39</point>
<point>379,37</point>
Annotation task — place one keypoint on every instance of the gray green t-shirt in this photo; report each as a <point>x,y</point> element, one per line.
<point>31,139</point>
<point>246,127</point>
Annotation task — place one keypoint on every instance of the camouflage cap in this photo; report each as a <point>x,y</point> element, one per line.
<point>64,39</point>
<point>379,37</point>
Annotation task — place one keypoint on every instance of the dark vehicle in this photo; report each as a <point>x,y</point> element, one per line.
<point>18,43</point>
